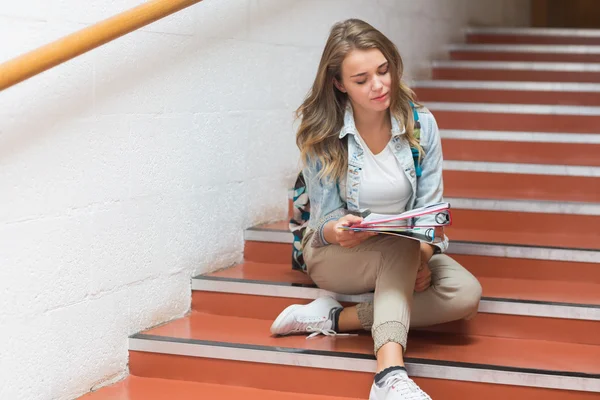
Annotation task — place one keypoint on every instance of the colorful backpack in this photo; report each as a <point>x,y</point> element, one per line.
<point>301,207</point>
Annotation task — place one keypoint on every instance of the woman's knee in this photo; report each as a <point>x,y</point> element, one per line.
<point>469,296</point>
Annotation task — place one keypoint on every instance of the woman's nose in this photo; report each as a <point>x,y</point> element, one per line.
<point>376,84</point>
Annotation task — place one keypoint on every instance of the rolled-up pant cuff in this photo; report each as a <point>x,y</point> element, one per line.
<point>365,315</point>
<point>392,331</point>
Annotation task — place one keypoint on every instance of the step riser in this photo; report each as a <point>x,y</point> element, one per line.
<point>485,185</point>
<point>487,324</point>
<point>322,381</point>
<point>483,38</point>
<point>284,378</point>
<point>517,122</point>
<point>577,231</point>
<point>472,74</point>
<point>508,96</point>
<point>265,252</point>
<point>522,152</point>
<point>466,55</point>
<point>521,268</point>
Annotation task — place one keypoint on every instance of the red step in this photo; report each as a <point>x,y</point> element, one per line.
<point>538,53</point>
<point>485,324</point>
<point>514,71</point>
<point>500,117</point>
<point>486,185</point>
<point>241,352</point>
<point>136,388</point>
<point>217,293</point>
<point>533,36</point>
<point>271,251</point>
<point>507,92</point>
<point>511,186</point>
<point>520,228</point>
<point>583,154</point>
<point>581,287</point>
<point>279,250</point>
<point>504,227</point>
<point>524,269</point>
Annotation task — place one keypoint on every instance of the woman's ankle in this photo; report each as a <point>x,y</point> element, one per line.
<point>347,320</point>
<point>390,355</point>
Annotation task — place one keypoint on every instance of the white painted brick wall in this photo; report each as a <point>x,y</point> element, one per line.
<point>130,169</point>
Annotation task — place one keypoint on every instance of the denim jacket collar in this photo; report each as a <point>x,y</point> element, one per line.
<point>350,126</point>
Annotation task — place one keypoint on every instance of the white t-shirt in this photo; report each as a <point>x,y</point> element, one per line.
<point>384,188</point>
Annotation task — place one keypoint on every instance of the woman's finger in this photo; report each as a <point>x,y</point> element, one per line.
<point>424,278</point>
<point>422,286</point>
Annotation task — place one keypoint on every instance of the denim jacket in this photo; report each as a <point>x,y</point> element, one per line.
<point>331,200</point>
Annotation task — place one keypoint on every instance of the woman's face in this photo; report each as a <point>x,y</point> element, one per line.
<point>366,79</point>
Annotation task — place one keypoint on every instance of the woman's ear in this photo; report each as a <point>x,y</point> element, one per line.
<point>339,85</point>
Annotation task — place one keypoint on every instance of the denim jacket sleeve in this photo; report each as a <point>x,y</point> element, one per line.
<point>325,203</point>
<point>430,185</point>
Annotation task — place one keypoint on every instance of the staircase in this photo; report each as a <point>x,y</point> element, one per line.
<point>519,113</point>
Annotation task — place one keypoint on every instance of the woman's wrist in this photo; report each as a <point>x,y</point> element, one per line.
<point>329,232</point>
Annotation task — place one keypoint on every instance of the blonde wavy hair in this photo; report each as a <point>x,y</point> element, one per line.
<point>322,112</point>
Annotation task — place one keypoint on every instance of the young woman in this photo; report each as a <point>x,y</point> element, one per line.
<point>356,138</point>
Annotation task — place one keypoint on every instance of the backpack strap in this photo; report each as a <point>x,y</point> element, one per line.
<point>417,135</point>
<point>299,221</point>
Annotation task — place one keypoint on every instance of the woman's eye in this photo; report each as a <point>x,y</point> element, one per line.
<point>361,83</point>
<point>384,72</point>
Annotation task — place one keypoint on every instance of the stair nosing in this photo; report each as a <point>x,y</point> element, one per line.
<point>366,362</point>
<point>491,305</point>
<point>522,169</point>
<point>520,137</point>
<point>514,108</point>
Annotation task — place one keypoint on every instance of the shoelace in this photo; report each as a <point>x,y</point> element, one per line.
<point>405,386</point>
<point>320,331</point>
<point>327,332</point>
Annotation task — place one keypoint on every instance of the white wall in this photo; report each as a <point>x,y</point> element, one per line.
<point>130,169</point>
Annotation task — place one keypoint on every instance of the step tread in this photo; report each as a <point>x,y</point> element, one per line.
<point>138,388</point>
<point>462,350</point>
<point>571,293</point>
<point>539,231</point>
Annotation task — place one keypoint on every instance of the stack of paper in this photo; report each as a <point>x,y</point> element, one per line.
<point>408,224</point>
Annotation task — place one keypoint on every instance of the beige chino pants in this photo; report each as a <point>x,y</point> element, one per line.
<point>388,265</point>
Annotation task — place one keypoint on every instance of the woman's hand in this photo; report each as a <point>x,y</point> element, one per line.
<point>424,273</point>
<point>346,238</point>
<point>423,278</point>
<point>426,252</point>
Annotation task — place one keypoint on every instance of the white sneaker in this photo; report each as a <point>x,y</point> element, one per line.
<point>315,318</point>
<point>398,386</point>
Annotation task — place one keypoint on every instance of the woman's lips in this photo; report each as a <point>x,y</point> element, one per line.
<point>380,98</point>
